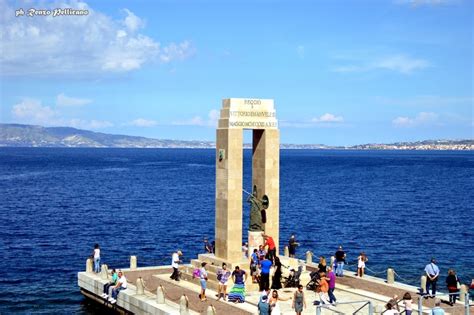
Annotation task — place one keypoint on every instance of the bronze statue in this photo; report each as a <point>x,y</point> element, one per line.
<point>258,216</point>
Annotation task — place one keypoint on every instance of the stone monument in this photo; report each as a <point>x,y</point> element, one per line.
<point>236,115</point>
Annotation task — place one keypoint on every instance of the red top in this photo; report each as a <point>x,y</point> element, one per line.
<point>270,243</point>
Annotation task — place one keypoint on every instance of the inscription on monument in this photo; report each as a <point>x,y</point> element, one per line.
<point>252,113</point>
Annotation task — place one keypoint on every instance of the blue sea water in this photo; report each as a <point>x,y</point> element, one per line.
<point>400,207</point>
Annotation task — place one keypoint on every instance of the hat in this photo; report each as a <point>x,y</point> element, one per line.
<point>179,252</point>
<point>264,298</point>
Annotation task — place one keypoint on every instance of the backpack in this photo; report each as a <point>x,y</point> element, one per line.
<point>196,273</point>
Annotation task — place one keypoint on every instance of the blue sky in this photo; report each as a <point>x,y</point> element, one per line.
<point>340,72</point>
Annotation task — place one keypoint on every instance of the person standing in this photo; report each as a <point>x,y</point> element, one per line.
<point>237,293</point>
<point>292,244</point>
<point>254,261</point>
<point>276,279</point>
<point>207,246</point>
<point>407,303</point>
<point>298,300</point>
<point>340,260</point>
<point>271,246</point>
<point>223,276</point>
<point>322,266</point>
<point>96,256</point>
<point>452,282</point>
<point>361,260</point>
<point>432,274</point>
<point>324,289</point>
<point>265,266</point>
<point>175,264</point>
<point>331,278</point>
<point>203,281</point>
<point>263,306</point>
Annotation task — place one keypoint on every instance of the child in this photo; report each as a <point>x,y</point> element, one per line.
<point>407,301</point>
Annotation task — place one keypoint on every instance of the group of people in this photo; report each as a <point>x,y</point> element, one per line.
<point>118,280</point>
<point>114,286</point>
<point>432,273</point>
<point>261,262</point>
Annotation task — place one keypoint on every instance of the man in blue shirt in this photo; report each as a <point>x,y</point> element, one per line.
<point>432,273</point>
<point>265,266</point>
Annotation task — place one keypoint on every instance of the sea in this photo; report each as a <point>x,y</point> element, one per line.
<point>400,207</point>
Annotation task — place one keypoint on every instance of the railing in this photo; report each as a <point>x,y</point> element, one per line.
<point>366,303</point>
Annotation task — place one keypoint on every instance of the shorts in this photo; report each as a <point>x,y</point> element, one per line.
<point>223,283</point>
<point>203,284</point>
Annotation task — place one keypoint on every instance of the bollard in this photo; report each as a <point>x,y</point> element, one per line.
<point>104,272</point>
<point>309,257</point>
<point>286,252</point>
<point>89,265</point>
<point>140,286</point>
<point>390,275</point>
<point>160,295</point>
<point>462,293</point>
<point>133,262</point>
<point>333,259</point>
<point>423,284</point>
<point>183,305</point>
<point>211,310</point>
<point>420,305</point>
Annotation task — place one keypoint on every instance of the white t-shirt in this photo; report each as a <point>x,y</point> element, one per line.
<point>203,273</point>
<point>96,253</point>
<point>174,259</point>
<point>123,282</point>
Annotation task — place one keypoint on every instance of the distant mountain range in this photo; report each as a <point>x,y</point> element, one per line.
<point>17,135</point>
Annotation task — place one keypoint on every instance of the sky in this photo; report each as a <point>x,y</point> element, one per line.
<point>340,72</point>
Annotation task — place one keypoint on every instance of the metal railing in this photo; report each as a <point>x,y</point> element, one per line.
<point>365,303</point>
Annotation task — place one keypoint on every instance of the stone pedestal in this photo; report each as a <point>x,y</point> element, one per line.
<point>255,240</point>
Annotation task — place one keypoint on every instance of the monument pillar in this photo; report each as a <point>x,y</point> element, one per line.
<point>266,176</point>
<point>229,164</point>
<point>235,116</point>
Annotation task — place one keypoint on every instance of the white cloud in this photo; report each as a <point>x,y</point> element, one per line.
<point>132,22</point>
<point>400,63</point>
<point>397,63</point>
<point>300,51</point>
<point>211,121</point>
<point>423,118</point>
<point>142,122</point>
<point>88,124</point>
<point>328,118</point>
<point>90,44</point>
<point>65,101</point>
<point>31,111</point>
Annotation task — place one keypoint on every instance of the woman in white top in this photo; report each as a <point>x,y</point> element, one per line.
<point>203,281</point>
<point>275,304</point>
<point>361,264</point>
<point>96,254</point>
<point>407,302</point>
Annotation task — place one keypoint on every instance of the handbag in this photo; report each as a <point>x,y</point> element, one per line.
<point>458,284</point>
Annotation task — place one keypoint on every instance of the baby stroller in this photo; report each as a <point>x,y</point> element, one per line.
<point>293,280</point>
<point>314,282</point>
